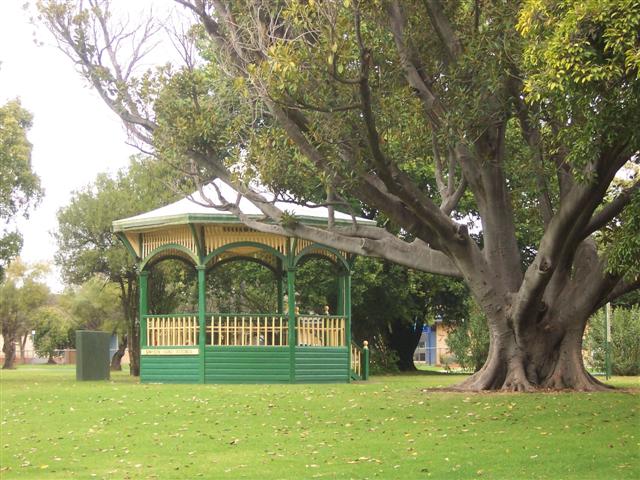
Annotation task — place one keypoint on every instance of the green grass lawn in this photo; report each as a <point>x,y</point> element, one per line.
<point>54,427</point>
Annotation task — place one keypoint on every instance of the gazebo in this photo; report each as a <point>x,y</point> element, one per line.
<point>227,347</point>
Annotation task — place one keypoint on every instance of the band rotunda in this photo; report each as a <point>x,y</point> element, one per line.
<point>226,347</point>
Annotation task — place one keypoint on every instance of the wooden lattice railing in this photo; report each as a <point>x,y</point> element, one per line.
<point>320,331</point>
<point>356,360</point>
<point>360,361</point>
<point>247,330</point>
<point>172,330</point>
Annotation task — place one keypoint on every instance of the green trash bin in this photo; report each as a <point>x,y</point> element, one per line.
<point>92,355</point>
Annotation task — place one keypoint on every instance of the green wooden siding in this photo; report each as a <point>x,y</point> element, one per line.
<point>322,364</point>
<point>246,364</point>
<point>169,369</point>
<point>249,365</point>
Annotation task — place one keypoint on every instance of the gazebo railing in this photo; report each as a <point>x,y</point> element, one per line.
<point>228,329</point>
<point>172,330</point>
<point>245,329</point>
<point>356,359</point>
<point>321,330</point>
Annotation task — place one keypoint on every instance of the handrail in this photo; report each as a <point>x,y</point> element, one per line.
<point>237,314</point>
<point>360,361</point>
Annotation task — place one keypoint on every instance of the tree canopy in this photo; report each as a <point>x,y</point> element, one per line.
<point>86,246</point>
<point>22,293</point>
<point>19,185</point>
<point>489,136</point>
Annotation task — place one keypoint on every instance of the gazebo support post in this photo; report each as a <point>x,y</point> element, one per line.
<point>143,282</point>
<point>291,297</point>
<point>202,317</point>
<point>280,287</point>
<point>347,314</point>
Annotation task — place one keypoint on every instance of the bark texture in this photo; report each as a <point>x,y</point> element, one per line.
<point>9,350</point>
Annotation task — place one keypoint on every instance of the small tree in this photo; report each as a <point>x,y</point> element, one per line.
<point>469,339</point>
<point>87,247</point>
<point>52,325</point>
<point>625,341</point>
<point>22,293</point>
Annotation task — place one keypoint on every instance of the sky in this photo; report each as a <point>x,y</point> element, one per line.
<point>74,135</point>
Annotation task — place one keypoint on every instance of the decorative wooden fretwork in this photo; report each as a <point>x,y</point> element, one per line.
<point>181,235</point>
<point>217,236</point>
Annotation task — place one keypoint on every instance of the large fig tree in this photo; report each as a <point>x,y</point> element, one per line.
<point>498,138</point>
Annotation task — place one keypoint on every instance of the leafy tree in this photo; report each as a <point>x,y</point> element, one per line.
<point>52,326</point>
<point>19,186</point>
<point>499,118</point>
<point>86,246</point>
<point>625,341</point>
<point>22,293</point>
<point>95,305</point>
<point>391,304</point>
<point>242,287</point>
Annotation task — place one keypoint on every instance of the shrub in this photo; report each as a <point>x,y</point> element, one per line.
<point>382,359</point>
<point>468,341</point>
<point>625,341</point>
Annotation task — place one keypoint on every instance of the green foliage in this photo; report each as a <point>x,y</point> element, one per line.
<point>52,326</point>
<point>625,341</point>
<point>382,359</point>
<point>94,305</point>
<point>583,68</point>
<point>623,240</point>
<point>172,288</point>
<point>469,339</point>
<point>19,187</point>
<point>86,246</point>
<point>241,287</point>
<point>22,293</point>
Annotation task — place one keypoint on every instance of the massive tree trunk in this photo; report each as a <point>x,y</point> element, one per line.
<point>544,358</point>
<point>542,347</point>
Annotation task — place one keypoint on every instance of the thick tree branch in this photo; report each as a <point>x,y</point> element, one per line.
<point>443,28</point>
<point>622,287</point>
<point>611,210</point>
<point>564,232</point>
<point>357,239</point>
